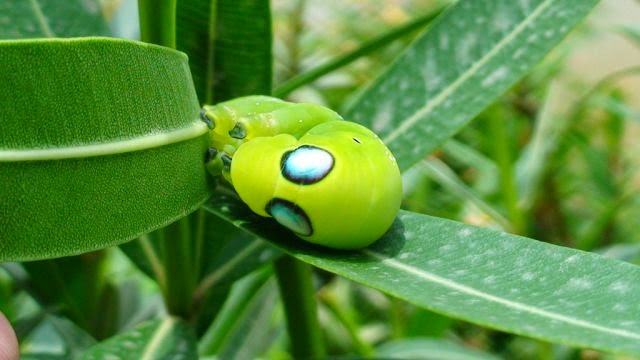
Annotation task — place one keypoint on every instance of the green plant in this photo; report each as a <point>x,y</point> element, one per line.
<point>102,145</point>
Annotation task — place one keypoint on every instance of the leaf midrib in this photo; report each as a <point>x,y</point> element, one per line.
<point>444,94</point>
<point>430,277</point>
<point>145,142</point>
<point>41,19</point>
<point>157,339</point>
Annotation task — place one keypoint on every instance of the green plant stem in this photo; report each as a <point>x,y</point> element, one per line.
<point>158,22</point>
<point>175,241</point>
<point>545,350</point>
<point>297,293</point>
<point>502,153</point>
<point>288,86</point>
<point>361,347</point>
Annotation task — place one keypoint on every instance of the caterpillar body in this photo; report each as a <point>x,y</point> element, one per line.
<point>330,181</point>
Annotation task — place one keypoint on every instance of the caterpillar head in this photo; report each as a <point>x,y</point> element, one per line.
<point>337,186</point>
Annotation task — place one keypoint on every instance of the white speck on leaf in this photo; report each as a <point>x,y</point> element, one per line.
<point>528,276</point>
<point>619,287</point>
<point>497,75</point>
<point>580,283</point>
<point>464,232</point>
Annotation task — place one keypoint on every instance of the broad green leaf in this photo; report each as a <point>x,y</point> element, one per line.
<point>242,49</point>
<point>162,339</point>
<point>430,349</point>
<point>96,148</point>
<point>20,19</point>
<point>484,276</point>
<point>473,53</point>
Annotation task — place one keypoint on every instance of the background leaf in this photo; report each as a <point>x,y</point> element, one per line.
<point>21,19</point>
<point>484,276</point>
<point>195,22</point>
<point>429,349</point>
<point>123,165</point>
<point>458,67</point>
<point>242,45</point>
<point>163,339</point>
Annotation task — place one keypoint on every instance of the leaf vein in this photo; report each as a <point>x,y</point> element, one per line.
<point>492,298</point>
<point>444,94</point>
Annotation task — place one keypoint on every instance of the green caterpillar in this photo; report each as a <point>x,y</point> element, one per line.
<point>332,182</point>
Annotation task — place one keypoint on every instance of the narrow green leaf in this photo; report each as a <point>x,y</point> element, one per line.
<point>447,178</point>
<point>242,294</point>
<point>632,33</point>
<point>21,19</point>
<point>98,151</point>
<point>472,54</point>
<point>484,276</point>
<point>242,49</point>
<point>74,338</point>
<point>430,349</point>
<point>370,46</point>
<point>253,332</point>
<point>231,255</point>
<point>195,21</point>
<point>166,339</point>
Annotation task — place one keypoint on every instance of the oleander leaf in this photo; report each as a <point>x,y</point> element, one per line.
<point>20,19</point>
<point>161,339</point>
<point>430,349</point>
<point>243,44</point>
<point>229,46</point>
<point>472,54</point>
<point>96,148</point>
<point>484,276</point>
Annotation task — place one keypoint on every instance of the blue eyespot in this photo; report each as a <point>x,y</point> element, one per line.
<point>306,164</point>
<point>290,216</point>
